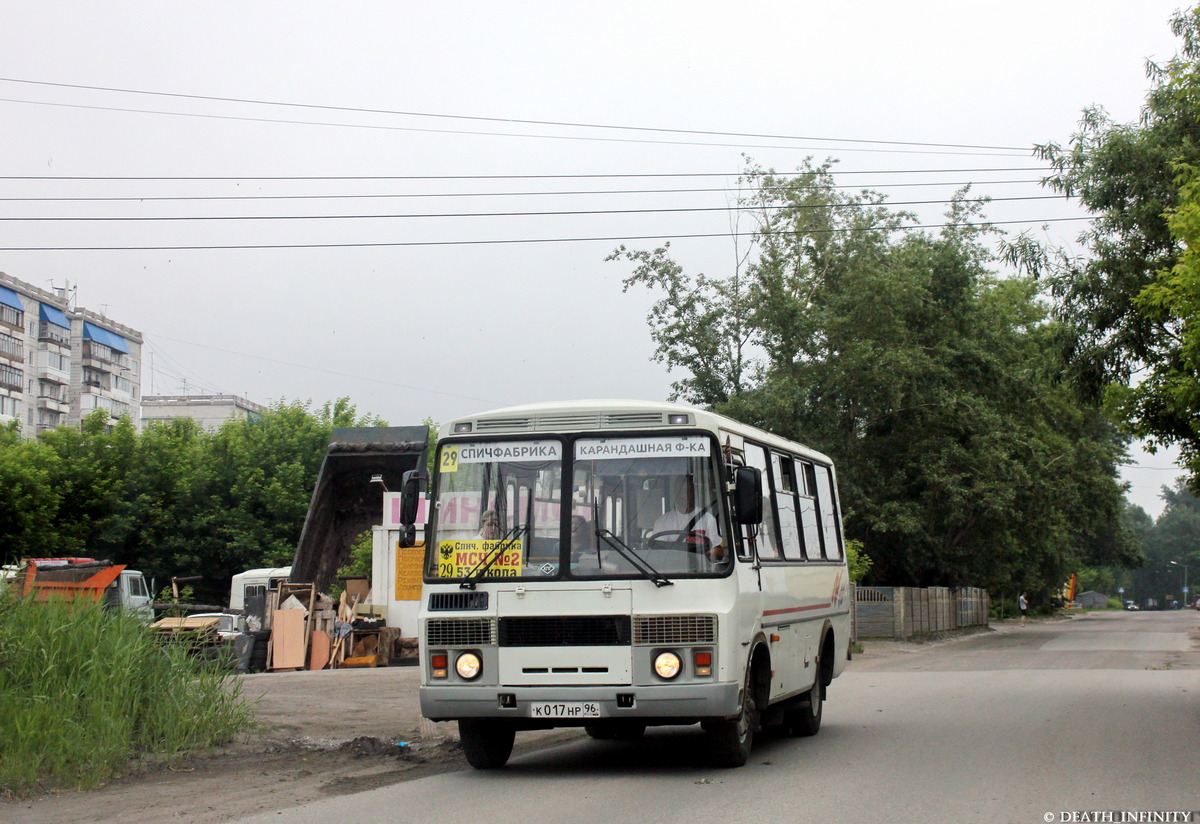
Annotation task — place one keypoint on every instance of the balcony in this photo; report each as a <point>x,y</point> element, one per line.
<point>12,348</point>
<point>54,333</point>
<point>11,379</point>
<point>100,353</point>
<point>52,404</point>
<point>52,375</point>
<point>10,316</point>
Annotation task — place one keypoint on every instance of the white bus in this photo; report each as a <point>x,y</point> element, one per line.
<point>619,564</point>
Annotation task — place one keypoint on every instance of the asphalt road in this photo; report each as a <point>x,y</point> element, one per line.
<point>1097,713</point>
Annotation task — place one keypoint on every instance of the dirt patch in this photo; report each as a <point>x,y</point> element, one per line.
<point>325,733</point>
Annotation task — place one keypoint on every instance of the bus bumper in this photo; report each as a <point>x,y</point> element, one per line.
<point>662,703</point>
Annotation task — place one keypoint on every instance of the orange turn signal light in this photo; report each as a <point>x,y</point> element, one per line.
<point>439,662</point>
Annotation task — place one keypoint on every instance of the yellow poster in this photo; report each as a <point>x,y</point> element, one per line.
<point>457,558</point>
<point>409,561</point>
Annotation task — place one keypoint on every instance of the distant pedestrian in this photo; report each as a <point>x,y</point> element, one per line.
<point>1023,603</point>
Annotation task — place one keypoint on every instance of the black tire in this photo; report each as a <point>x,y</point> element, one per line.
<point>616,730</point>
<point>486,743</point>
<point>805,720</point>
<point>730,739</point>
<point>600,732</point>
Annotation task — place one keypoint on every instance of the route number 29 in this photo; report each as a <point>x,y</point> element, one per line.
<point>449,462</point>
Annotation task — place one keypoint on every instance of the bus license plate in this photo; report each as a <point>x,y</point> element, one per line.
<point>568,709</point>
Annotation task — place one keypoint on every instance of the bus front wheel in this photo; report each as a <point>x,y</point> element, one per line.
<point>487,744</point>
<point>730,739</point>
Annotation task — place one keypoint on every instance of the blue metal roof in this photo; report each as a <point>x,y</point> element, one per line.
<point>54,315</point>
<point>111,339</point>
<point>9,297</point>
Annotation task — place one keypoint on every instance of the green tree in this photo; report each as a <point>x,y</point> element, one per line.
<point>254,485</point>
<point>1174,536</point>
<point>31,501</point>
<point>151,526</point>
<point>1132,300</point>
<point>172,500</point>
<point>90,472</point>
<point>965,456</point>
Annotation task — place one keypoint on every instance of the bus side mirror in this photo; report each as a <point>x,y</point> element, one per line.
<point>411,489</point>
<point>748,495</point>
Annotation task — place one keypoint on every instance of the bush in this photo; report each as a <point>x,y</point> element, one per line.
<point>85,692</point>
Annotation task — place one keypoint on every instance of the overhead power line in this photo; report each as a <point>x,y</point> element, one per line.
<point>593,176</point>
<point>505,120</point>
<point>499,241</point>
<point>544,193</point>
<point>381,127</point>
<point>551,213</point>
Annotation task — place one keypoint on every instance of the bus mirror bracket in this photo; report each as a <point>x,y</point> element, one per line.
<point>748,495</point>
<point>412,487</point>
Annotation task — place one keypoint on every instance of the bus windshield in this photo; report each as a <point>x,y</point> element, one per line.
<point>647,506</point>
<point>498,512</point>
<point>641,502</point>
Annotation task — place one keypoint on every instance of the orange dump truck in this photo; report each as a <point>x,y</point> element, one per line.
<point>86,578</point>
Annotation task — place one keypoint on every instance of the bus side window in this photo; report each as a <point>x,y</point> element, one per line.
<point>810,522</point>
<point>827,503</point>
<point>785,506</point>
<point>756,456</point>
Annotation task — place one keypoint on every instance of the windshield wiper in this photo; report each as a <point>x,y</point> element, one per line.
<point>504,544</point>
<point>625,551</point>
<point>628,553</point>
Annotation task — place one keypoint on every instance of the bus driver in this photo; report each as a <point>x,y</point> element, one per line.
<point>686,519</point>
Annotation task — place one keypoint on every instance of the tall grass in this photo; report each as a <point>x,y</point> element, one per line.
<point>85,692</point>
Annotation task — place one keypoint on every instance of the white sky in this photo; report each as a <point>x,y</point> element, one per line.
<point>443,330</point>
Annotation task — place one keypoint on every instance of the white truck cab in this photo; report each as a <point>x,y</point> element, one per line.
<point>254,582</point>
<point>133,595</point>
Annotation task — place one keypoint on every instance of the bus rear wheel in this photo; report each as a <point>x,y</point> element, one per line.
<point>487,744</point>
<point>730,739</point>
<point>805,720</point>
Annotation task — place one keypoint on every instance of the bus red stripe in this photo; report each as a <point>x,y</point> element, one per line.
<point>795,609</point>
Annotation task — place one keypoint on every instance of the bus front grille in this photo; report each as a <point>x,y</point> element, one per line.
<point>674,629</point>
<point>461,632</point>
<point>565,631</point>
<point>449,601</point>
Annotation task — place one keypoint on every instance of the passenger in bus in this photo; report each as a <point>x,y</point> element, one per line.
<point>687,520</point>
<point>489,526</point>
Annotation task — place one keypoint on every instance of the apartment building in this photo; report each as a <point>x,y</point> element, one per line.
<point>58,363</point>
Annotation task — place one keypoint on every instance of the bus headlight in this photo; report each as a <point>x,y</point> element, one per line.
<point>468,666</point>
<point>667,665</point>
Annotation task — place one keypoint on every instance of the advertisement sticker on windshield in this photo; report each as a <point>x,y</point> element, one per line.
<point>600,449</point>
<point>456,559</point>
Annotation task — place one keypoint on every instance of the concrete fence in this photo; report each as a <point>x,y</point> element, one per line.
<point>908,612</point>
